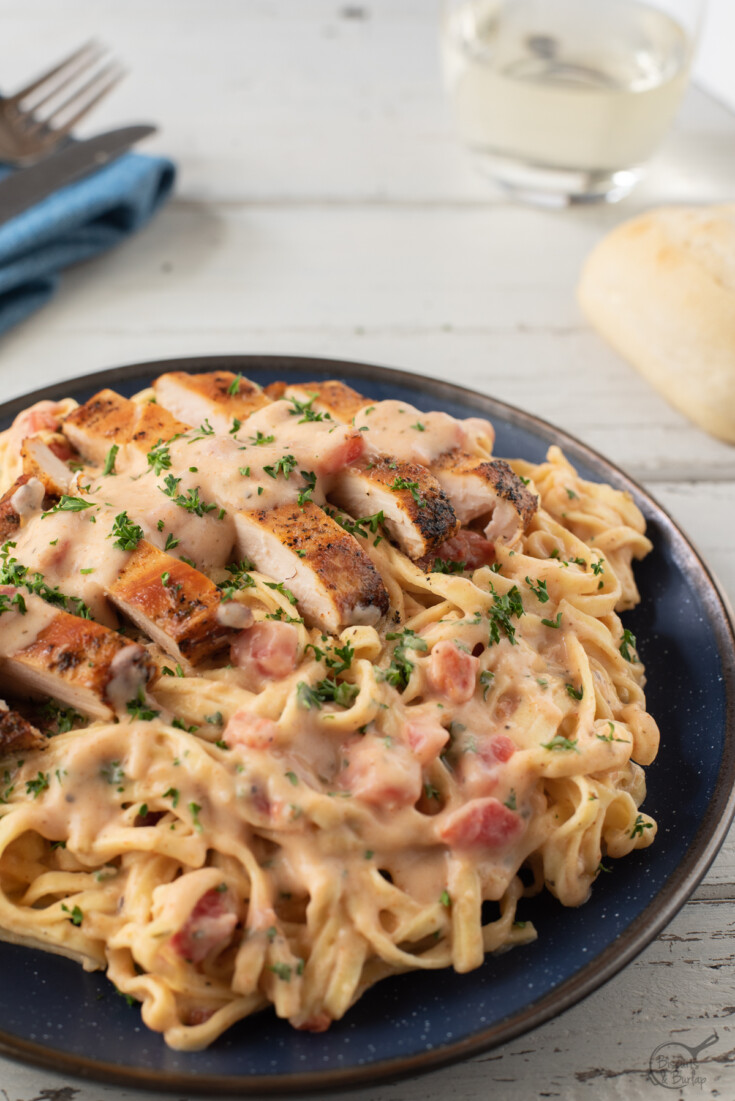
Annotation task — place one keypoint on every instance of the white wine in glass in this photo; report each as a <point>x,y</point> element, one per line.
<point>564,100</point>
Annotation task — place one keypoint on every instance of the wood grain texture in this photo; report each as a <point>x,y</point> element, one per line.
<point>324,207</point>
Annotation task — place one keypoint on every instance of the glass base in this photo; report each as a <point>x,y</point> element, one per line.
<point>556,187</point>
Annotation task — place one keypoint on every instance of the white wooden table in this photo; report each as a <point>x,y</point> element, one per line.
<point>324,208</point>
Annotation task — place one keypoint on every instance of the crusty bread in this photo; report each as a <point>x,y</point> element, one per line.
<point>661,290</point>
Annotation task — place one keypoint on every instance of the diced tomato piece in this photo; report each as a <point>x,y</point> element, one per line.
<point>482,822</point>
<point>209,926</point>
<point>426,736</point>
<point>248,729</point>
<point>199,1015</point>
<point>342,451</point>
<point>318,1022</point>
<point>386,775</point>
<point>499,748</point>
<point>44,414</point>
<point>452,672</point>
<point>268,649</point>
<point>62,449</point>
<point>469,547</point>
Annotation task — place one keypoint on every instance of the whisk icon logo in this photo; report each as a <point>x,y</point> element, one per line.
<point>674,1064</point>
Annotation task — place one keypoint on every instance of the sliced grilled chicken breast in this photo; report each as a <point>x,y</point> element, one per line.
<point>16,733</point>
<point>40,462</point>
<point>487,489</point>
<point>417,514</point>
<point>333,580</point>
<point>176,605</point>
<point>108,419</point>
<point>24,497</point>
<point>218,396</point>
<point>86,666</point>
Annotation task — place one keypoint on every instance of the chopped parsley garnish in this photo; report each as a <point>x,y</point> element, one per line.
<point>539,590</point>
<point>610,737</point>
<point>13,573</point>
<point>260,440</point>
<point>63,718</point>
<point>203,430</point>
<point>597,567</point>
<point>304,494</point>
<point>510,802</point>
<point>328,690</point>
<point>240,578</point>
<point>445,899</point>
<point>575,693</point>
<point>70,504</point>
<point>173,795</point>
<point>283,970</point>
<point>404,483</point>
<point>303,409</point>
<point>127,534</point>
<point>419,426</point>
<point>486,679</point>
<point>284,466</point>
<point>112,772</point>
<point>364,526</point>
<point>552,622</point>
<point>171,542</point>
<point>292,778</point>
<point>627,642</point>
<point>510,604</point>
<point>137,708</point>
<point>279,587</point>
<point>194,809</point>
<point>35,787</point>
<point>638,828</point>
<point>445,565</point>
<point>399,671</point>
<point>75,916</point>
<point>109,467</point>
<point>159,457</point>
<point>215,719</point>
<point>234,386</point>
<point>560,742</point>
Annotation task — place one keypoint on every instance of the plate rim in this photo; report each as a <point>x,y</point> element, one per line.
<point>711,832</point>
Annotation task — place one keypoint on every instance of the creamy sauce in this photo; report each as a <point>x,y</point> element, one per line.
<point>28,498</point>
<point>17,631</point>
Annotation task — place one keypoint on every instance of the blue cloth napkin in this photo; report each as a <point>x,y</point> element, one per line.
<point>75,223</point>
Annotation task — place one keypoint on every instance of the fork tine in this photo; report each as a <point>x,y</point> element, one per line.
<point>53,88</point>
<point>115,74</point>
<point>51,73</point>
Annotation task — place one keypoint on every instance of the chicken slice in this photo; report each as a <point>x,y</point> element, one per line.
<point>24,497</point>
<point>44,651</point>
<point>217,396</point>
<point>333,580</point>
<point>416,512</point>
<point>40,462</point>
<point>16,733</point>
<point>489,489</point>
<point>176,605</point>
<point>108,419</point>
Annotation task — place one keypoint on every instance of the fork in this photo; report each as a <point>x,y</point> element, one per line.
<point>68,92</point>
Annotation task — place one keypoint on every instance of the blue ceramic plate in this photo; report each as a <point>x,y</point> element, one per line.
<point>72,1021</point>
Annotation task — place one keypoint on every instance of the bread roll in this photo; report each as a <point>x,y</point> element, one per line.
<point>661,290</point>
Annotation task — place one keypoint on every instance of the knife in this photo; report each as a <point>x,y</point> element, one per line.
<point>28,186</point>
